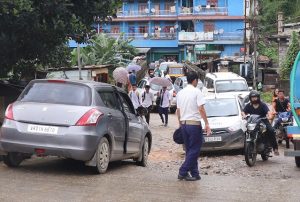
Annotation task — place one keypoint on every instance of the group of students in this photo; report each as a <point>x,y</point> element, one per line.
<point>146,99</point>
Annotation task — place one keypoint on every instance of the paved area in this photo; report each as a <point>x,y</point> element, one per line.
<point>225,177</point>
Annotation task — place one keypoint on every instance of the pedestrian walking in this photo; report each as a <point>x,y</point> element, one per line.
<point>164,105</point>
<point>147,101</point>
<point>135,97</point>
<point>190,111</point>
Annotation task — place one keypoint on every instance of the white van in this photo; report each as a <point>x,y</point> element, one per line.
<point>226,82</point>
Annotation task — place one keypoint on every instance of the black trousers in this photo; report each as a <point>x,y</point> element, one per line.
<point>165,111</point>
<point>147,116</point>
<point>271,134</point>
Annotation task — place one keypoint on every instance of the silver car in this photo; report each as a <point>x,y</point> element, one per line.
<point>83,120</point>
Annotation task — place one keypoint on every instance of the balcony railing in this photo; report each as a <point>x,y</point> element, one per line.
<point>145,36</point>
<point>229,36</point>
<point>204,10</point>
<point>147,12</point>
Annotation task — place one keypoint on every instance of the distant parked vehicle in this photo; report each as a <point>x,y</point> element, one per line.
<point>225,120</point>
<point>226,82</point>
<point>83,120</point>
<point>181,82</point>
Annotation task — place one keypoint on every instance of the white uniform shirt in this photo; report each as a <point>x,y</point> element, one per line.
<point>189,100</point>
<point>166,98</point>
<point>147,99</point>
<point>135,99</point>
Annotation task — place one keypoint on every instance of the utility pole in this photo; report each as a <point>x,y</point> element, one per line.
<point>245,31</point>
<point>254,38</point>
<point>78,60</point>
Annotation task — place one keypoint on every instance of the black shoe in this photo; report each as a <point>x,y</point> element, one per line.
<point>187,178</point>
<point>197,177</point>
<point>190,178</point>
<point>181,177</point>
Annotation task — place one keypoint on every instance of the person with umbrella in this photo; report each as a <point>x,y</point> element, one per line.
<point>147,101</point>
<point>164,104</point>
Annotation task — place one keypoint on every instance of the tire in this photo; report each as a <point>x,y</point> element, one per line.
<point>297,160</point>
<point>250,156</point>
<point>145,152</point>
<point>102,155</point>
<point>13,159</point>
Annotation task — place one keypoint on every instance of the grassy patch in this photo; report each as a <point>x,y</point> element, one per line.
<point>266,96</point>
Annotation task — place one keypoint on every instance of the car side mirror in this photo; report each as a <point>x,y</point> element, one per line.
<point>250,88</point>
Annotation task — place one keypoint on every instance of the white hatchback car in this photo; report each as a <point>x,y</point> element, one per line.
<point>225,119</point>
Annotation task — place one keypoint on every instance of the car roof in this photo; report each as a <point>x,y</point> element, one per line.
<point>224,75</point>
<point>221,96</point>
<point>84,82</point>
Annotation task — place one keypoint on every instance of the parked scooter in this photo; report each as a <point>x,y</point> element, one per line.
<point>257,141</point>
<point>281,122</point>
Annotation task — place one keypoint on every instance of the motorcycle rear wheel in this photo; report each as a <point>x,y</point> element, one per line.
<point>250,156</point>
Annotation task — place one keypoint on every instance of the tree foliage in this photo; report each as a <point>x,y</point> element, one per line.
<point>291,55</point>
<point>268,14</point>
<point>102,49</point>
<point>33,32</point>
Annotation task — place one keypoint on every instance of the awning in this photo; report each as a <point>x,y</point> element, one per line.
<point>143,50</point>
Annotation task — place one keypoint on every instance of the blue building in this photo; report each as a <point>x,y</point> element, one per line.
<point>196,30</point>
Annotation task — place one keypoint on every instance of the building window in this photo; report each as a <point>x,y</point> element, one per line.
<point>212,3</point>
<point>170,7</point>
<point>143,29</point>
<point>142,8</point>
<point>115,29</point>
<point>209,26</point>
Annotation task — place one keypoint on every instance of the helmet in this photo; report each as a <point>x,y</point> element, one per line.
<point>252,94</point>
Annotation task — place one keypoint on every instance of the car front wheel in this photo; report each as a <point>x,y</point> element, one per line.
<point>103,155</point>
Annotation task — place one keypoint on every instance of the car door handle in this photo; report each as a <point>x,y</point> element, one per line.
<point>109,115</point>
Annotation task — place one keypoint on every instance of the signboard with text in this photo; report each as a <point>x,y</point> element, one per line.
<point>196,36</point>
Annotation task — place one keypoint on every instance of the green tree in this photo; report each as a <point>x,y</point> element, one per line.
<point>102,49</point>
<point>292,52</point>
<point>33,32</point>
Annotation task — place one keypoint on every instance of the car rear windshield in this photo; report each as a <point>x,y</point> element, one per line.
<point>231,85</point>
<point>57,93</point>
<point>221,107</point>
<point>176,70</point>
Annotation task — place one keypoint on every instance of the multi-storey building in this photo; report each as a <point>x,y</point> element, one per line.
<point>196,30</point>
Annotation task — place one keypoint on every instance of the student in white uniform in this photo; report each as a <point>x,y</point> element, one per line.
<point>135,97</point>
<point>147,101</point>
<point>164,105</point>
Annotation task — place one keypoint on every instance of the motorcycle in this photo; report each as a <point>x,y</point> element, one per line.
<point>257,141</point>
<point>286,119</point>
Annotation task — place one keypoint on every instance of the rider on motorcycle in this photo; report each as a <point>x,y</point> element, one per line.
<point>281,104</point>
<point>256,106</point>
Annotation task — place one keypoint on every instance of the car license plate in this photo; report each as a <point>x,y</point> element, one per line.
<point>213,139</point>
<point>42,129</point>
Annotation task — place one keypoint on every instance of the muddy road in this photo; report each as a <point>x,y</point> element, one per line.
<point>225,177</point>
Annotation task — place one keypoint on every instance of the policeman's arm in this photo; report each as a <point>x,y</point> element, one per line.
<point>204,117</point>
<point>178,116</point>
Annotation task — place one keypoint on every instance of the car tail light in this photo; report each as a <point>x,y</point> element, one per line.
<point>9,112</point>
<point>90,118</point>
